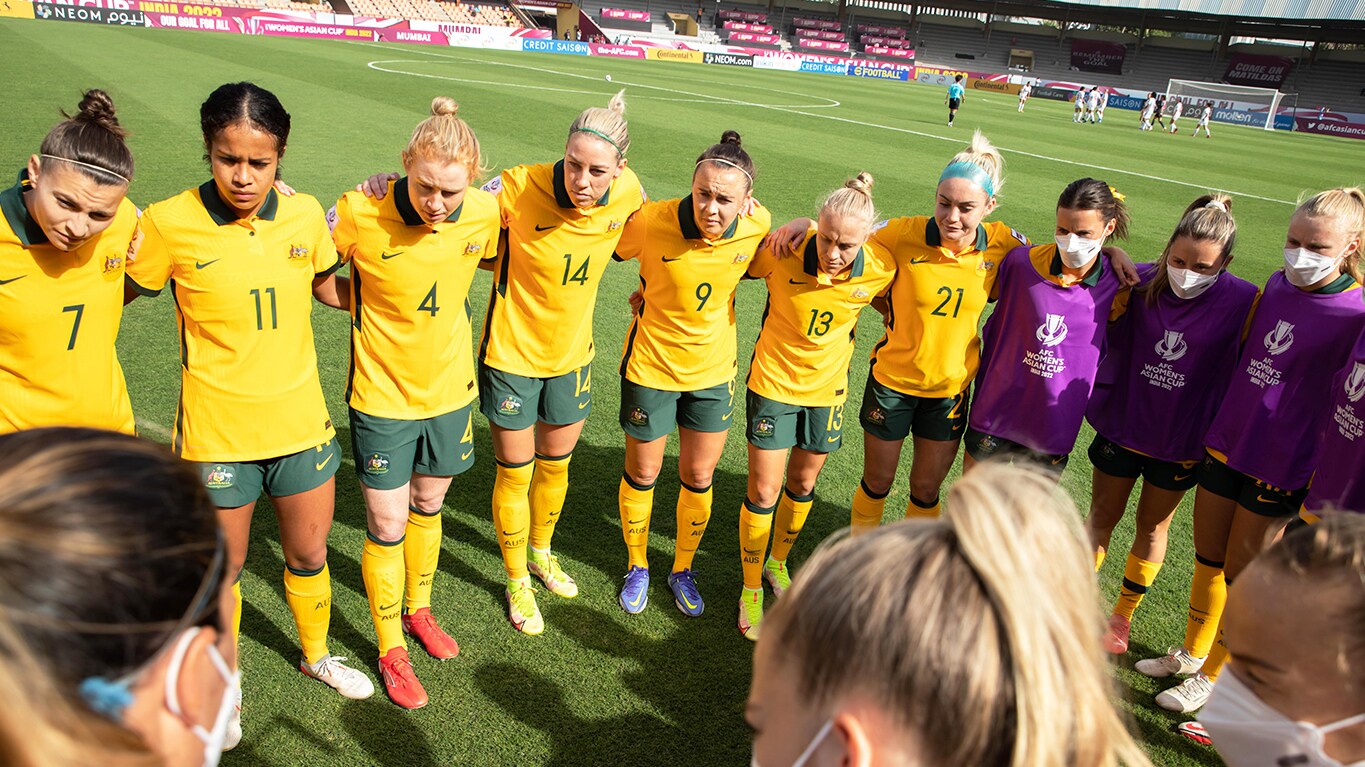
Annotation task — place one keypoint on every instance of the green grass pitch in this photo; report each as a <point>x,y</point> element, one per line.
<point>601,687</point>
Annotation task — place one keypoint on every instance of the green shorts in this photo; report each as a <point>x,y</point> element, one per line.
<point>1250,493</point>
<point>516,402</point>
<point>981,446</point>
<point>1118,461</point>
<point>778,426</point>
<point>389,451</point>
<point>236,484</point>
<point>648,414</point>
<point>891,416</point>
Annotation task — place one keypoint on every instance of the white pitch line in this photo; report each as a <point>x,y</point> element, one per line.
<point>894,129</point>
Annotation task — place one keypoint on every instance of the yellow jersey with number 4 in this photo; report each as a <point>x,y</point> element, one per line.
<point>932,346</point>
<point>683,338</point>
<point>810,323</point>
<point>539,322</point>
<point>249,386</point>
<point>412,356</point>
<point>59,317</point>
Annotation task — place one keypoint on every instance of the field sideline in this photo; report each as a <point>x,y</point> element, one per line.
<point>601,686</point>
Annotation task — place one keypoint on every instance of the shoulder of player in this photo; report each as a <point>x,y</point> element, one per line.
<point>518,177</point>
<point>628,190</point>
<point>299,204</point>
<point>178,205</point>
<point>1002,236</point>
<point>480,206</point>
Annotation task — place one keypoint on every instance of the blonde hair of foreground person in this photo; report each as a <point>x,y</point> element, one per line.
<point>972,639</point>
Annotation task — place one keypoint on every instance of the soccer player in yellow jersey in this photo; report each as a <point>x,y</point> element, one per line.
<point>65,230</point>
<point>413,255</point>
<point>243,262</point>
<point>798,379</point>
<point>923,366</point>
<point>562,223</point>
<point>678,366</point>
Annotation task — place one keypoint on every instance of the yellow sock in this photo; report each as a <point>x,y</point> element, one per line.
<point>548,489</point>
<point>867,509</point>
<point>1208,594</point>
<point>791,517</point>
<point>309,595</point>
<point>693,512</point>
<point>1099,558</point>
<point>917,509</point>
<point>1218,657</point>
<point>421,552</point>
<point>512,516</point>
<point>636,504</point>
<point>755,523</point>
<point>1138,576</point>
<point>237,610</point>
<point>381,567</point>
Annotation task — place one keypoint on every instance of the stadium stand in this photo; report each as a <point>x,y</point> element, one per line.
<point>435,10</point>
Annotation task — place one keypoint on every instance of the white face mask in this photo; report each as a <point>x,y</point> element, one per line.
<point>1077,251</point>
<point>1249,733</point>
<point>1188,283</point>
<point>810,748</point>
<point>212,739</point>
<point>1303,267</point>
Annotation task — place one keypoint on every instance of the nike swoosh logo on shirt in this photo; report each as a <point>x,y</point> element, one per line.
<point>386,256</point>
<point>202,264</point>
<point>668,260</point>
<point>914,261</point>
<point>795,282</point>
<point>540,228</point>
<point>12,279</point>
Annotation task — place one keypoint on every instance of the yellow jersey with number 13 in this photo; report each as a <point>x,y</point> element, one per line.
<point>539,322</point>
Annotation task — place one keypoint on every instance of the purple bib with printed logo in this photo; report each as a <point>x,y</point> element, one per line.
<point>1270,419</point>
<point>1339,482</point>
<point>1040,352</point>
<point>1167,366</point>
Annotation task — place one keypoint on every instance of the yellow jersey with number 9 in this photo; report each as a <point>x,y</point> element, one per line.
<point>810,323</point>
<point>683,338</point>
<point>412,356</point>
<point>59,317</point>
<point>539,322</point>
<point>249,386</point>
<point>932,346</point>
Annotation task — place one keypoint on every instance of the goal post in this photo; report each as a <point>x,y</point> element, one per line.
<point>1238,104</point>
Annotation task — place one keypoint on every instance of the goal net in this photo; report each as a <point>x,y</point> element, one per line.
<point>1239,104</point>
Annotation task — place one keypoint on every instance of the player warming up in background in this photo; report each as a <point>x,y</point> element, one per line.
<point>680,358</point>
<point>411,392</point>
<point>1169,361</point>
<point>798,379</point>
<point>1205,115</point>
<point>954,98</point>
<point>1025,91</point>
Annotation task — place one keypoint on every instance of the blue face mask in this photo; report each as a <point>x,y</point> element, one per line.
<point>810,748</point>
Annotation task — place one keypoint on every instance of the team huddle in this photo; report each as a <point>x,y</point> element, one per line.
<point>1192,377</point>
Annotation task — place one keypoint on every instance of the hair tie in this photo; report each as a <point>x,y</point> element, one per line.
<point>1116,194</point>
<point>971,172</point>
<point>726,162</point>
<point>109,699</point>
<point>1216,204</point>
<point>604,137</point>
<point>99,168</point>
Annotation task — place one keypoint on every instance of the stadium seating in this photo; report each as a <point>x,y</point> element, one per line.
<point>437,10</point>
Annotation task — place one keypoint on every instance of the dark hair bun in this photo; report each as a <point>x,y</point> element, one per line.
<point>97,108</point>
<point>730,137</point>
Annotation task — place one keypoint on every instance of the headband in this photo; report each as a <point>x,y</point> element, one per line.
<point>1216,204</point>
<point>726,162</point>
<point>602,136</point>
<point>970,171</point>
<point>1116,194</point>
<point>99,168</point>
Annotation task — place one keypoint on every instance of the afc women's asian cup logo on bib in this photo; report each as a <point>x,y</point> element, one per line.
<point>1172,346</point>
<point>1053,330</point>
<point>1355,382</point>
<point>1280,338</point>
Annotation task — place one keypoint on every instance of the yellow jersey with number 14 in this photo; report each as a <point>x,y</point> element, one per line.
<point>243,295</point>
<point>810,323</point>
<point>59,317</point>
<point>932,346</point>
<point>412,356</point>
<point>683,338</point>
<point>539,322</point>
